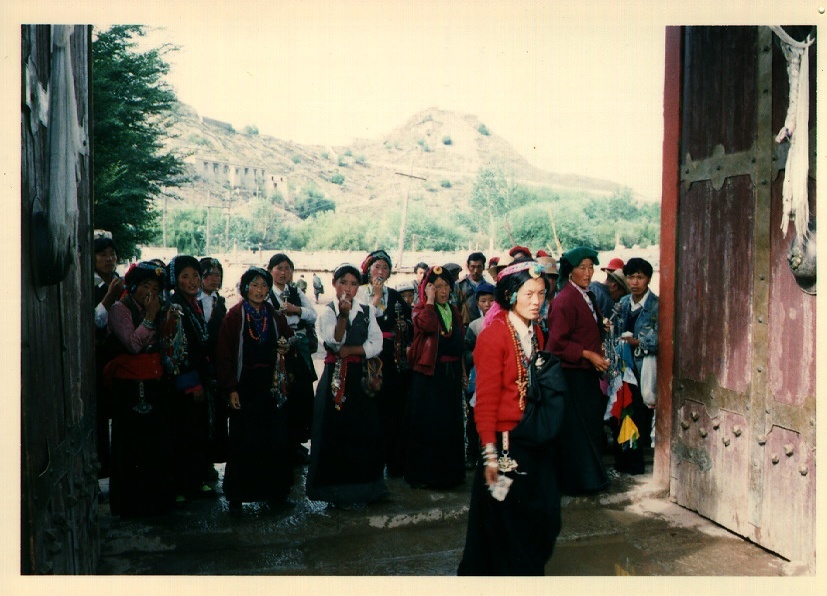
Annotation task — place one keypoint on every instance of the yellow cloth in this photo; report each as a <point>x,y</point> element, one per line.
<point>628,431</point>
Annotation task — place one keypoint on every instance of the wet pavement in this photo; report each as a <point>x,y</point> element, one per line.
<point>630,529</point>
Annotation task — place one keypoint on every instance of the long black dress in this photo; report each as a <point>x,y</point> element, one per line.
<point>393,398</point>
<point>346,457</point>
<point>435,447</point>
<point>217,407</point>
<point>515,536</point>
<point>258,466</point>
<point>141,476</point>
<point>190,367</point>
<point>302,374</point>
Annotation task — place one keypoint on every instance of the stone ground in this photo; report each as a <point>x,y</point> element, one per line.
<point>630,529</point>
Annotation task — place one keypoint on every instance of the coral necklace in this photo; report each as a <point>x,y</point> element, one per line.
<point>256,321</point>
<point>522,360</point>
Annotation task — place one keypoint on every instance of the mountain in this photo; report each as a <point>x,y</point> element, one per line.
<point>444,148</point>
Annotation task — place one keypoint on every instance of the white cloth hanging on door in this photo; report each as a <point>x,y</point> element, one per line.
<point>794,193</point>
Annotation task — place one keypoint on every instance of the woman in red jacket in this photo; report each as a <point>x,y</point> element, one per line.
<point>575,326</point>
<point>514,517</point>
<point>435,450</point>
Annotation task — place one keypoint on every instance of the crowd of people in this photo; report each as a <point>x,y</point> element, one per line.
<point>424,381</point>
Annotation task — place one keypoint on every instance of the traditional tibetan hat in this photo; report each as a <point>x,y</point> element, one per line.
<point>517,249</point>
<point>376,255</point>
<point>576,255</point>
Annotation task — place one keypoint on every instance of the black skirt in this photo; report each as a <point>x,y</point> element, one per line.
<point>515,536</point>
<point>141,476</point>
<point>258,463</point>
<point>435,452</point>
<point>346,456</point>
<point>582,439</point>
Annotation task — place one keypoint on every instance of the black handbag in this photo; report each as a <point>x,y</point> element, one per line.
<point>543,414</point>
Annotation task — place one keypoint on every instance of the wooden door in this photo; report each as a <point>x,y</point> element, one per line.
<point>742,449</point>
<point>59,501</point>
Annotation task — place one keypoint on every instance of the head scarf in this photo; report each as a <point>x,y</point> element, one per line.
<point>535,269</point>
<point>376,255</point>
<point>430,277</point>
<point>571,259</point>
<point>177,265</point>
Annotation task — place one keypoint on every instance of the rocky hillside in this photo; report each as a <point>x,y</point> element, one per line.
<point>445,148</point>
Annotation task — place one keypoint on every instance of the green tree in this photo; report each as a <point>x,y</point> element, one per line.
<point>132,112</point>
<point>310,202</point>
<point>492,198</point>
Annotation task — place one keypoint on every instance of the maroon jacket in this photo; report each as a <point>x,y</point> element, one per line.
<point>228,348</point>
<point>423,351</point>
<point>572,329</point>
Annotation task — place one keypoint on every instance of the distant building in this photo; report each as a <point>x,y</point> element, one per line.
<point>236,175</point>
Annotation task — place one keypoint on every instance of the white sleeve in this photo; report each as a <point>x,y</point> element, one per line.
<point>101,316</point>
<point>327,329</point>
<point>373,345</point>
<point>308,310</point>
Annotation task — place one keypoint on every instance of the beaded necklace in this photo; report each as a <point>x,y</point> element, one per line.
<point>256,321</point>
<point>522,360</point>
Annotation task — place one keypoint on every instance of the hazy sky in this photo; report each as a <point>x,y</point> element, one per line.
<point>572,91</point>
<point>574,86</point>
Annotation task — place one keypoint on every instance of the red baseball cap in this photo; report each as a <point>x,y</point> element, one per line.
<point>613,265</point>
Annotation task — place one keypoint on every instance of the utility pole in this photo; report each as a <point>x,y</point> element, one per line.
<point>404,217</point>
<point>164,223</point>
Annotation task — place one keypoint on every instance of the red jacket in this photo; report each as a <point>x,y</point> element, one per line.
<point>423,351</point>
<point>495,360</point>
<point>572,329</point>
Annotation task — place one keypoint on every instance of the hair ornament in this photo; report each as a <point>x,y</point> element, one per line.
<point>534,268</point>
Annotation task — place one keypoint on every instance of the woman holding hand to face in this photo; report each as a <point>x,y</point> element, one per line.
<point>346,455</point>
<point>393,315</point>
<point>141,477</point>
<point>435,453</point>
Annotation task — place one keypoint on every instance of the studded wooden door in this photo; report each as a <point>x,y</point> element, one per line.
<point>743,383</point>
